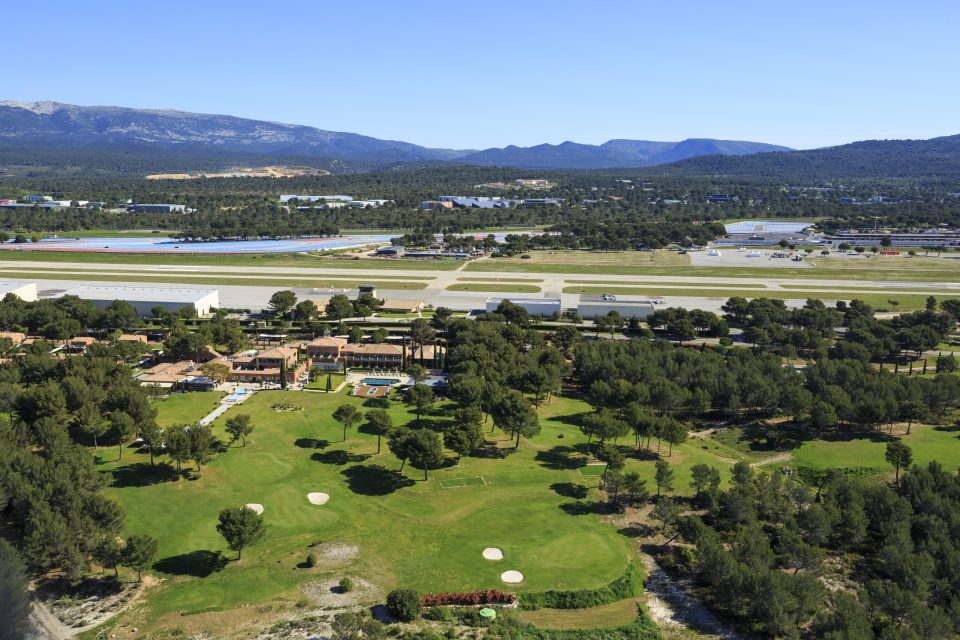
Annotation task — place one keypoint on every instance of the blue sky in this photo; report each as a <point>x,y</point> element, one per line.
<point>463,73</point>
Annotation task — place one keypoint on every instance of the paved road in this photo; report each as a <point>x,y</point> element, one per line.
<point>436,293</point>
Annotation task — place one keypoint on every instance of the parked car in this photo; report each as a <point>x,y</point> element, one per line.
<point>609,297</point>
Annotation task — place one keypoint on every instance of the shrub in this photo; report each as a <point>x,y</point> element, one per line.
<point>439,614</point>
<point>311,559</point>
<point>346,585</point>
<point>470,617</point>
<point>629,585</point>
<point>404,604</point>
<point>302,603</point>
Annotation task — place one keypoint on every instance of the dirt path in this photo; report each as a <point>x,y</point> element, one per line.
<point>671,605</point>
<point>48,627</point>
<point>780,457</point>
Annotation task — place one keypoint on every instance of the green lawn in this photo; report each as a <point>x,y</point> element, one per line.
<point>853,450</point>
<point>521,280</point>
<point>671,263</point>
<point>186,408</point>
<point>494,287</point>
<point>407,532</point>
<point>229,260</point>
<point>321,381</point>
<point>877,300</point>
<point>278,281</point>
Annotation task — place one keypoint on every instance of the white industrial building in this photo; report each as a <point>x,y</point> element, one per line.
<point>26,291</point>
<point>315,198</point>
<point>591,307</point>
<point>535,306</point>
<point>144,299</point>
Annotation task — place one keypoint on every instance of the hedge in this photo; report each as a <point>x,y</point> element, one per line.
<point>641,629</point>
<point>629,585</point>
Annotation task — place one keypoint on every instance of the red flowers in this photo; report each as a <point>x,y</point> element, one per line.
<point>467,599</point>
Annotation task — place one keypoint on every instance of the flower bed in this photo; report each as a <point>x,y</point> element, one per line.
<point>468,598</point>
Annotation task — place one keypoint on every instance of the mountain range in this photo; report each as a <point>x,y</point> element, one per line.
<point>40,137</point>
<point>54,124</point>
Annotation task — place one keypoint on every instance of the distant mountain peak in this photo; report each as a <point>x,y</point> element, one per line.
<point>52,125</point>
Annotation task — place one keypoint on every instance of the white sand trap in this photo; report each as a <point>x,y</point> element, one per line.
<point>492,553</point>
<point>256,507</point>
<point>318,498</point>
<point>511,577</point>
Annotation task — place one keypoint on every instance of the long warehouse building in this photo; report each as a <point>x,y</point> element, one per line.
<point>545,307</point>
<point>26,291</point>
<point>144,299</point>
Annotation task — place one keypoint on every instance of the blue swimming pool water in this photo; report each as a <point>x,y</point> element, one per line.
<point>380,382</point>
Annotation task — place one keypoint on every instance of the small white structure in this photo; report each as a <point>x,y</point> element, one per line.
<point>535,306</point>
<point>26,291</point>
<point>315,198</point>
<point>144,299</point>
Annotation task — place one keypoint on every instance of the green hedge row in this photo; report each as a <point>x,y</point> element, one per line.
<point>641,629</point>
<point>629,585</point>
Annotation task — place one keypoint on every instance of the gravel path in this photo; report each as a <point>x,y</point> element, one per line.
<point>671,605</point>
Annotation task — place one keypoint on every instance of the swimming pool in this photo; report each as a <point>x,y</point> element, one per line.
<point>380,382</point>
<point>236,395</point>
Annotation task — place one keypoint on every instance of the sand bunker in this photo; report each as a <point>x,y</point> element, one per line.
<point>493,553</point>
<point>256,507</point>
<point>511,577</point>
<point>318,498</point>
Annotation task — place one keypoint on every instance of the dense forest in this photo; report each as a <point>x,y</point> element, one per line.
<point>596,204</point>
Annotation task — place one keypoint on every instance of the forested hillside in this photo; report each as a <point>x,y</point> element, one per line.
<point>934,158</point>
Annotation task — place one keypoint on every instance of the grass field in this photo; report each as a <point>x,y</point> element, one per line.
<point>494,287</point>
<point>866,450</point>
<point>671,263</point>
<point>186,408</point>
<point>877,300</point>
<point>492,279</point>
<point>186,271</point>
<point>321,383</point>
<point>236,281</point>
<point>229,260</point>
<point>406,531</point>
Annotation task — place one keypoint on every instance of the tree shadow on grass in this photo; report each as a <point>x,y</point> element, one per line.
<point>637,530</point>
<point>558,458</point>
<point>338,457</point>
<point>492,451</point>
<point>199,564</point>
<point>585,508</point>
<point>142,474</point>
<point>570,490</point>
<point>374,480</point>
<point>311,443</point>
<point>642,454</point>
<point>946,427</point>
<point>847,436</point>
<point>767,438</point>
<point>574,419</point>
